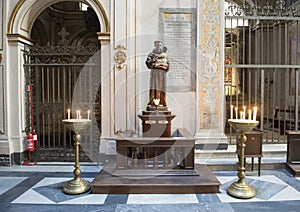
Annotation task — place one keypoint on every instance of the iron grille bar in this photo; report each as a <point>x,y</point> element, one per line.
<point>264,18</point>
<point>262,101</point>
<point>48,114</point>
<point>65,107</point>
<point>296,97</point>
<point>54,116</point>
<point>60,64</point>
<point>43,100</point>
<point>263,66</point>
<point>57,54</point>
<point>265,49</point>
<point>56,71</point>
<point>59,117</point>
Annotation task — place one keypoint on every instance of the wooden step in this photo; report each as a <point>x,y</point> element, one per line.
<point>199,180</point>
<point>154,172</point>
<point>294,169</point>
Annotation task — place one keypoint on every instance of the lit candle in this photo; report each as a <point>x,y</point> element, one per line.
<point>242,115</point>
<point>88,114</point>
<point>69,113</point>
<point>231,111</point>
<point>254,113</point>
<point>244,112</point>
<point>250,112</point>
<point>156,102</point>
<point>236,112</point>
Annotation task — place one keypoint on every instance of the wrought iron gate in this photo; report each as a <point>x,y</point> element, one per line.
<point>63,77</point>
<point>262,63</point>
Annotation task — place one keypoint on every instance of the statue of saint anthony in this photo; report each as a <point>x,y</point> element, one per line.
<point>157,61</point>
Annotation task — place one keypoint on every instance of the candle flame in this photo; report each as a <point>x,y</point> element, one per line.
<point>156,101</point>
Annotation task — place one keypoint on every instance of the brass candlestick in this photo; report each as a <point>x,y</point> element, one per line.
<point>77,185</point>
<point>240,188</point>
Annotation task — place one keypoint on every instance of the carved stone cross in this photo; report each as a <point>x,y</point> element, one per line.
<point>63,33</point>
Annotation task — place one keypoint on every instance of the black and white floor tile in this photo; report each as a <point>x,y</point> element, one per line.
<point>39,188</point>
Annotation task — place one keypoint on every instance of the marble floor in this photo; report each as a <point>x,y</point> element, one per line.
<point>39,188</point>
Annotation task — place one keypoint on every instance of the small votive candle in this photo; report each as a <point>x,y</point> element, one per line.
<point>69,113</point>
<point>231,111</point>
<point>254,113</point>
<point>88,114</point>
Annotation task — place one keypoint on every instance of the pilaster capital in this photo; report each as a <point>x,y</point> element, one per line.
<point>104,37</point>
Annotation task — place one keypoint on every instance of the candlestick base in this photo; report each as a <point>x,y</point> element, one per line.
<point>241,190</point>
<point>77,186</point>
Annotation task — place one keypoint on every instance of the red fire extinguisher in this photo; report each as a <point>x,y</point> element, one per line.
<point>35,138</point>
<point>32,141</point>
<point>31,146</point>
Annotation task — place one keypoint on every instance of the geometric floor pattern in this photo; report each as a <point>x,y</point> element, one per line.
<point>276,190</point>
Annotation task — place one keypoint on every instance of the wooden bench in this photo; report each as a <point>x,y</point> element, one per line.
<point>293,156</point>
<point>285,122</point>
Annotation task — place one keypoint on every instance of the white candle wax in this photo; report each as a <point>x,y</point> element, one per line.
<point>250,113</point>
<point>88,114</point>
<point>241,115</point>
<point>69,113</point>
<point>254,113</point>
<point>244,112</point>
<point>236,112</point>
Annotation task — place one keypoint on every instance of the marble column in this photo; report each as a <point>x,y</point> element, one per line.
<point>15,98</point>
<point>106,84</point>
<point>106,94</point>
<point>124,65</point>
<point>211,109</point>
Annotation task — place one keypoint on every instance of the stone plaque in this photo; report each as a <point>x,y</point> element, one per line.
<point>178,30</point>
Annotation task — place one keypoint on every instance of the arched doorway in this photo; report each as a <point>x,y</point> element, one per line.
<point>63,57</point>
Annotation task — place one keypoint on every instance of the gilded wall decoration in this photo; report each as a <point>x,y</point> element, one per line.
<point>120,57</point>
<point>211,77</point>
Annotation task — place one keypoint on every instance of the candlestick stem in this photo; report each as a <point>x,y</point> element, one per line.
<point>78,185</point>
<point>240,188</point>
